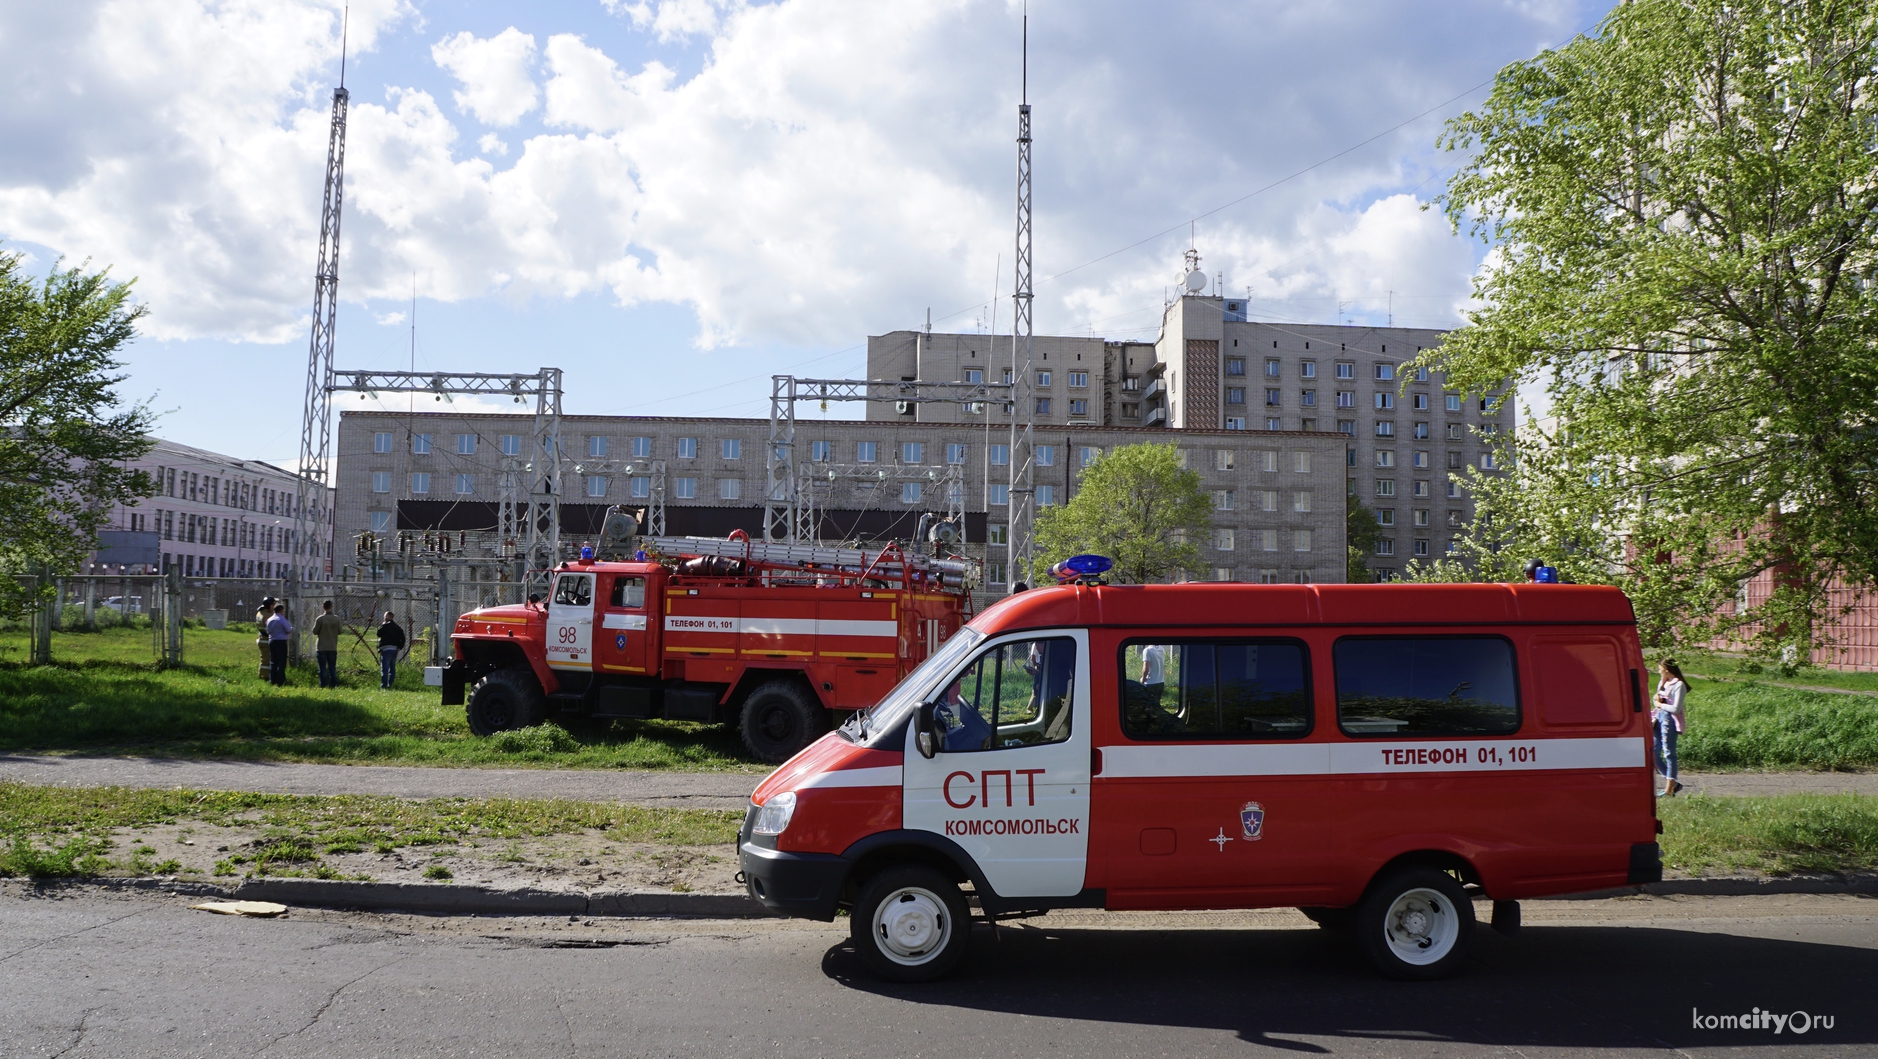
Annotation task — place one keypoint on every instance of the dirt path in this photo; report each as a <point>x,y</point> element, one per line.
<point>690,790</point>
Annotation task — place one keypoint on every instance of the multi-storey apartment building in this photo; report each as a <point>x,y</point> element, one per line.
<point>1278,496</point>
<point>216,515</point>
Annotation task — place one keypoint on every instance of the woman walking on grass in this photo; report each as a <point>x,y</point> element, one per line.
<point>1671,688</point>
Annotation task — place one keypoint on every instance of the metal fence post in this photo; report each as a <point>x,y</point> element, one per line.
<point>42,621</point>
<point>173,616</point>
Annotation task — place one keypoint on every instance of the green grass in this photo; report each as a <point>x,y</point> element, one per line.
<point>104,694</point>
<point>1776,836</point>
<point>1750,724</point>
<point>48,832</point>
<point>1742,669</point>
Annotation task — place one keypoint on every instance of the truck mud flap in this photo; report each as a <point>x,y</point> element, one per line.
<point>693,702</point>
<point>456,678</point>
<point>1646,864</point>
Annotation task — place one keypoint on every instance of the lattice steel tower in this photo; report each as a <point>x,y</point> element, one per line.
<point>311,521</point>
<point>1021,535</point>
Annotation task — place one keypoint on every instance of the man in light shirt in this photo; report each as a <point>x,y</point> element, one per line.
<point>278,629</point>
<point>1154,672</point>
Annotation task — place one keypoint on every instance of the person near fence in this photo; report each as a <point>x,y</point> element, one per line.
<point>326,630</point>
<point>278,629</point>
<point>390,642</point>
<point>261,616</point>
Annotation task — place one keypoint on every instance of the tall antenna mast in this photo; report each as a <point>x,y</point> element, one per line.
<point>310,521</point>
<point>1021,536</point>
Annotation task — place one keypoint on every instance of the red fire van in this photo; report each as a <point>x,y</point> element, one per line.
<point>1374,755</point>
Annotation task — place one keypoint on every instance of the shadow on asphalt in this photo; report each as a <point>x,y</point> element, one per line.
<point>1565,986</point>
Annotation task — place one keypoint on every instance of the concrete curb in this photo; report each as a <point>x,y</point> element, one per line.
<point>1847,883</point>
<point>450,899</point>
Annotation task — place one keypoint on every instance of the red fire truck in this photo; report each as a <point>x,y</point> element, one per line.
<point>768,635</point>
<point>1378,756</point>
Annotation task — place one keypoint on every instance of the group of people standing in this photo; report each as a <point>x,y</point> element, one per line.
<point>274,628</point>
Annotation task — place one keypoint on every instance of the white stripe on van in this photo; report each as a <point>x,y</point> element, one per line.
<point>880,776</point>
<point>1366,758</point>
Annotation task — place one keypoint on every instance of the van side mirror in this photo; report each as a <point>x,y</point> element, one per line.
<point>925,731</point>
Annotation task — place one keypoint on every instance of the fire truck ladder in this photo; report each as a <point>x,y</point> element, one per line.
<point>887,564</point>
<point>528,502</point>
<point>787,514</point>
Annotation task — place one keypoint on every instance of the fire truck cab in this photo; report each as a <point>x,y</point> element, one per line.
<point>1376,755</point>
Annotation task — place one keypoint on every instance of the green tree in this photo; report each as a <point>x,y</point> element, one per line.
<point>64,435</point>
<point>1683,209</point>
<point>1137,506</point>
<point>1360,531</point>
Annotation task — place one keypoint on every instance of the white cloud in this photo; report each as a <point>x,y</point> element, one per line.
<point>674,19</point>
<point>829,171</point>
<point>497,86</point>
<point>388,319</point>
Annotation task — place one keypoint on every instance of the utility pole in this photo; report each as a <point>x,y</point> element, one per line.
<point>1023,492</point>
<point>309,513</point>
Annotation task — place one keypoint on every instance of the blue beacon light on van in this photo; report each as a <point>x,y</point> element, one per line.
<point>1079,567</point>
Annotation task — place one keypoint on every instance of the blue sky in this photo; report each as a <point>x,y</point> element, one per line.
<point>673,199</point>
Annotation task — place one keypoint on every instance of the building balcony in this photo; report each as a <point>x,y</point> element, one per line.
<point>1155,388</point>
<point>1156,417</point>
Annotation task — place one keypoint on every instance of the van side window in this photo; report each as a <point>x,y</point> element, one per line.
<point>1016,694</point>
<point>629,592</point>
<point>1215,689</point>
<point>1426,685</point>
<point>574,590</point>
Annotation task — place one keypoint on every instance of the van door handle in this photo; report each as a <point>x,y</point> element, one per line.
<point>1095,761</point>
<point>1636,692</point>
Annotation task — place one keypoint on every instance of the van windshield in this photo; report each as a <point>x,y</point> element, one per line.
<point>911,691</point>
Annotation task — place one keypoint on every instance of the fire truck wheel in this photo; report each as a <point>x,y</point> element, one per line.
<point>1415,924</point>
<point>780,718</point>
<point>505,699</point>
<point>910,924</point>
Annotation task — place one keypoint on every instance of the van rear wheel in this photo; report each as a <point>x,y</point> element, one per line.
<point>779,718</point>
<point>505,699</point>
<point>1415,924</point>
<point>910,924</point>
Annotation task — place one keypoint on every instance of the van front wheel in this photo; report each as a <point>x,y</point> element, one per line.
<point>1415,924</point>
<point>910,924</point>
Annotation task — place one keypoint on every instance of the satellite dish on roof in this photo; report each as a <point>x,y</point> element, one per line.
<point>1196,281</point>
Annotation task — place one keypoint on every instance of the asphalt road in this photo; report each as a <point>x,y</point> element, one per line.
<point>699,790</point>
<point>99,974</point>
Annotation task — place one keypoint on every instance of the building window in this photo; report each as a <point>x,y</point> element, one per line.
<point>974,376</point>
<point>1300,501</point>
<point>1046,455</point>
<point>466,444</point>
<point>596,485</point>
<point>1421,402</point>
<point>866,451</point>
<point>1420,459</point>
<point>1301,540</point>
<point>640,487</point>
<point>1043,406</point>
<point>1307,398</point>
<point>1268,500</point>
<point>1090,454</point>
<point>996,533</point>
<point>1385,428</point>
<point>1046,495</point>
<point>1222,499</point>
<point>1420,517</point>
<point>1454,489</point>
<point>420,483</point>
<point>1385,457</point>
<point>1078,407</point>
<point>1235,365</point>
<point>1346,370</point>
<point>912,452</point>
<point>730,448</point>
<point>1307,369</point>
<point>1301,462</point>
<point>1454,518</point>
<point>596,448</point>
<point>1235,423</point>
<point>511,444</point>
<point>1452,547</point>
<point>1268,540</point>
<point>730,489</point>
<point>642,447</point>
<point>1385,546</point>
<point>1385,487</point>
<point>381,522</point>
<point>1385,400</point>
<point>1000,455</point>
<point>1346,426</point>
<point>420,444</point>
<point>465,484</point>
<point>1273,397</point>
<point>1486,461</point>
<point>909,492</point>
<point>1346,399</point>
<point>1455,432</point>
<point>1421,432</point>
<point>1385,372</point>
<point>1454,402</point>
<point>1131,411</point>
<point>955,453</point>
<point>821,451</point>
<point>1268,460</point>
<point>1000,494</point>
<point>1079,378</point>
<point>1043,378</point>
<point>1222,539</point>
<point>685,488</point>
<point>1272,367</point>
<point>381,481</point>
<point>381,442</point>
<point>994,573</point>
<point>1222,459</point>
<point>687,448</point>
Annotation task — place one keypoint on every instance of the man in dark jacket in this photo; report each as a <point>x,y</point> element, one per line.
<point>390,643</point>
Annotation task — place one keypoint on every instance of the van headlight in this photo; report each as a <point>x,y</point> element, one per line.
<point>774,816</point>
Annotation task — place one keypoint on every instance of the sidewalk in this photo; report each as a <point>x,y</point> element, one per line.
<point>696,790</point>
<point>688,790</point>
